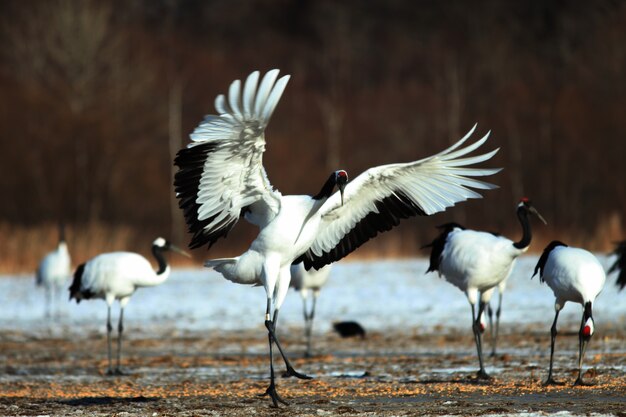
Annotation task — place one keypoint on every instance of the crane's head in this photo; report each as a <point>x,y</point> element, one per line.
<point>163,244</point>
<point>341,179</point>
<point>525,205</point>
<point>587,328</point>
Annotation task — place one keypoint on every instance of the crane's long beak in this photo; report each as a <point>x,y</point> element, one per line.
<point>539,216</point>
<point>341,188</point>
<point>179,250</point>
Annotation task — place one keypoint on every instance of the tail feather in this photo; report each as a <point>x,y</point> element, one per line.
<point>620,264</point>
<point>439,244</point>
<point>75,288</point>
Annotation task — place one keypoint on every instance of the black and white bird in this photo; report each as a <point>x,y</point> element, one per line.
<point>54,271</point>
<point>221,178</point>
<point>620,264</point>
<point>477,262</point>
<point>308,283</point>
<point>116,276</point>
<point>574,275</point>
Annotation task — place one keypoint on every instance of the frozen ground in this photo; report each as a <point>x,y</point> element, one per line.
<point>380,295</point>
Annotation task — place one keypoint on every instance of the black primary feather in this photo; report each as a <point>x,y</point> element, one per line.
<point>190,162</point>
<point>76,284</point>
<point>620,264</point>
<point>439,244</point>
<point>389,212</point>
<point>541,264</point>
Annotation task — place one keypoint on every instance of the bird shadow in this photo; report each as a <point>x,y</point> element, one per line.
<point>98,401</point>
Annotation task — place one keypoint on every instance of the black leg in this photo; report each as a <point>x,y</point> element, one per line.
<point>309,329</point>
<point>120,330</point>
<point>553,332</point>
<point>271,327</point>
<point>109,330</point>
<point>481,374</point>
<point>496,329</point>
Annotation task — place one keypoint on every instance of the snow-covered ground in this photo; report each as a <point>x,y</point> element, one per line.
<point>380,294</point>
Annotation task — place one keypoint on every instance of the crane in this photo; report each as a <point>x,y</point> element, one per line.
<point>477,262</point>
<point>221,178</point>
<point>574,275</point>
<point>54,271</point>
<point>116,276</point>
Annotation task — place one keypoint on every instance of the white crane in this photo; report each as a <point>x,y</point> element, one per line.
<point>477,262</point>
<point>221,178</point>
<point>116,276</point>
<point>54,271</point>
<point>620,264</point>
<point>574,275</point>
<point>306,282</point>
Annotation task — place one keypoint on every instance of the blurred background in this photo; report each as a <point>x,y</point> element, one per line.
<point>96,98</point>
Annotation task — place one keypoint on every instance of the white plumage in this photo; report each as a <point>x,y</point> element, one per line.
<point>309,282</point>
<point>221,178</point>
<point>577,276</point>
<point>478,262</point>
<point>116,276</point>
<point>54,271</point>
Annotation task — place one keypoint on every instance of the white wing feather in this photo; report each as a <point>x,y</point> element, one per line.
<point>221,171</point>
<point>388,193</point>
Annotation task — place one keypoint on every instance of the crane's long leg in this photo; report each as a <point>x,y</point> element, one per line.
<point>309,327</point>
<point>553,332</point>
<point>271,390</point>
<point>109,329</point>
<point>495,330</point>
<point>582,347</point>
<point>120,330</point>
<point>271,327</point>
<point>481,374</point>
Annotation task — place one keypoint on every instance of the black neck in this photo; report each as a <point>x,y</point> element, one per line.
<point>524,242</point>
<point>327,189</point>
<point>157,251</point>
<point>587,312</point>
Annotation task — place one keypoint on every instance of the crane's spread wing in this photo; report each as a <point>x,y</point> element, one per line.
<point>221,174</point>
<point>378,198</point>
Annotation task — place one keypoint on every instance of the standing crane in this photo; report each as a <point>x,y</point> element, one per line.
<point>54,271</point>
<point>574,275</point>
<point>477,262</point>
<point>306,282</point>
<point>221,178</point>
<point>116,276</point>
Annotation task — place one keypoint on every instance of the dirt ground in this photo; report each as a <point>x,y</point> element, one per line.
<point>169,372</point>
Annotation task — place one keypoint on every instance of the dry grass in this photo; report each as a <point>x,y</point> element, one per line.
<point>24,246</point>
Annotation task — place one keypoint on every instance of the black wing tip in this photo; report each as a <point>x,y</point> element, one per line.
<point>541,263</point>
<point>620,264</point>
<point>75,287</point>
<point>439,243</point>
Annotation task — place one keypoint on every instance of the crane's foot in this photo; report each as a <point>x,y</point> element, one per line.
<point>579,382</point>
<point>551,381</point>
<point>483,375</point>
<point>271,391</point>
<point>292,372</point>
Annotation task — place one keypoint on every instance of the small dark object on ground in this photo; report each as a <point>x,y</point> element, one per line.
<point>349,329</point>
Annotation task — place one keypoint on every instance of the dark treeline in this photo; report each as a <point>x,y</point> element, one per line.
<point>96,98</point>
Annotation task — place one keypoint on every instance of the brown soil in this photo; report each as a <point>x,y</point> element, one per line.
<point>223,373</point>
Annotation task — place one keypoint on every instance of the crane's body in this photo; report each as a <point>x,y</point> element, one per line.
<point>477,263</point>
<point>574,275</point>
<point>116,276</point>
<point>221,178</point>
